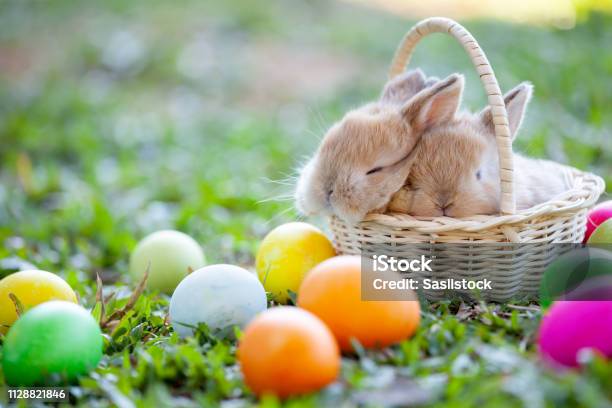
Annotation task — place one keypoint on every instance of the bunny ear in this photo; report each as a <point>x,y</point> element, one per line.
<point>403,87</point>
<point>431,81</point>
<point>516,101</point>
<point>436,104</point>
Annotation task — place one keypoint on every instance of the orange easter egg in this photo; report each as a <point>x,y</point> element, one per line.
<point>286,351</point>
<point>332,291</point>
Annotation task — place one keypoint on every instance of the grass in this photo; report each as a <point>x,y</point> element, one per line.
<point>119,119</point>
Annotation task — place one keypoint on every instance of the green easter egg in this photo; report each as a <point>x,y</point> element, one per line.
<point>571,270</point>
<point>170,254</point>
<point>602,234</point>
<point>53,343</point>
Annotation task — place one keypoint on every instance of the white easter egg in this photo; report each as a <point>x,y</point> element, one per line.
<point>220,296</point>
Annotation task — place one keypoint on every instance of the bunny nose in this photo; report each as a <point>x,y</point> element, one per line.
<point>444,202</point>
<point>446,209</point>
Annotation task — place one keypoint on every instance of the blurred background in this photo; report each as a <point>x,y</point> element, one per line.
<point>120,118</point>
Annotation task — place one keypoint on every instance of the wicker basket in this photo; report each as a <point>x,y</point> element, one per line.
<point>480,242</point>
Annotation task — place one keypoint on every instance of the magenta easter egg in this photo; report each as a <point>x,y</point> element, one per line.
<point>599,214</point>
<point>570,326</point>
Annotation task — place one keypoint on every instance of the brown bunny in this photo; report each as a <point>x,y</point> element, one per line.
<point>365,158</point>
<point>455,170</point>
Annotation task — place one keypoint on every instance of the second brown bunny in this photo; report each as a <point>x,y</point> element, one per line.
<point>455,171</point>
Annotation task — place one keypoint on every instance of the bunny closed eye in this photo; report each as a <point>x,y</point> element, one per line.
<point>394,166</point>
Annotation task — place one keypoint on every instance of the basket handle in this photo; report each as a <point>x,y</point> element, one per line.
<point>489,81</point>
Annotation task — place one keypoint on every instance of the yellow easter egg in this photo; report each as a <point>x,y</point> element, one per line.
<point>287,254</point>
<point>31,287</point>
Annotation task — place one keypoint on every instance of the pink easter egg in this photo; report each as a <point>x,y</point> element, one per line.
<point>570,326</point>
<point>597,216</point>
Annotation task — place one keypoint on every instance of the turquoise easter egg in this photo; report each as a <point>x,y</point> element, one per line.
<point>53,343</point>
